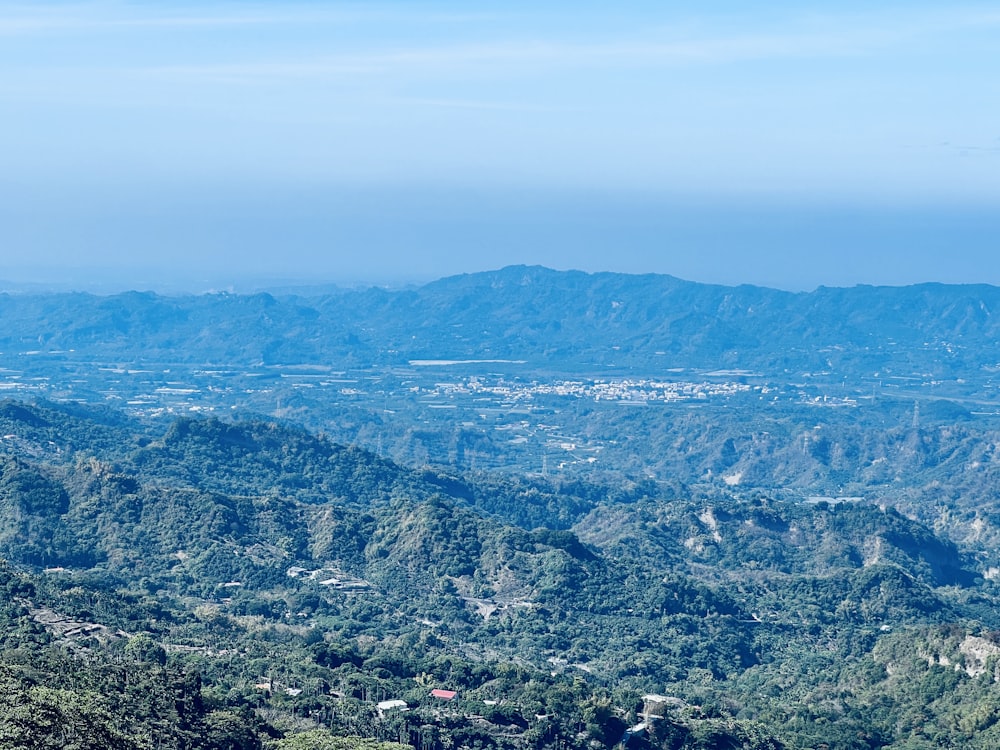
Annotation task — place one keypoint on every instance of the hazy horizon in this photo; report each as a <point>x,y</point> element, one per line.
<point>783,144</point>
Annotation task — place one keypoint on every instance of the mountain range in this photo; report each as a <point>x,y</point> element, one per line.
<point>703,517</point>
<point>559,320</point>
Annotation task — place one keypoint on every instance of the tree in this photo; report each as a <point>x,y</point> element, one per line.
<point>322,740</point>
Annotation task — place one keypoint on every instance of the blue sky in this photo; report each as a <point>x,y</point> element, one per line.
<point>785,144</point>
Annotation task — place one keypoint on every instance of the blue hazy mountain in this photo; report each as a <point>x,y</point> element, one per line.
<point>564,320</point>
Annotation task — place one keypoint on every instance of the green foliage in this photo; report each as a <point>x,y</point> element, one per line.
<point>34,716</point>
<point>320,740</point>
<point>142,648</point>
<point>251,585</point>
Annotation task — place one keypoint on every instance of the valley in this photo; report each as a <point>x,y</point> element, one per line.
<point>288,523</point>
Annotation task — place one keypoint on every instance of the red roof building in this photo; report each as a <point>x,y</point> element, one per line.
<point>445,695</point>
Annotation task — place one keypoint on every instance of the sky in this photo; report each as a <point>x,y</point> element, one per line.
<point>789,144</point>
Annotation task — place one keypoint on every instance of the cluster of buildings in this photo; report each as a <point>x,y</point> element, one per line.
<point>618,389</point>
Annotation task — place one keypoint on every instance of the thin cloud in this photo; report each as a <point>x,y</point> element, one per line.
<point>977,149</point>
<point>831,38</point>
<point>476,104</point>
<point>251,72</point>
<point>16,25</point>
<point>509,57</point>
<point>91,17</point>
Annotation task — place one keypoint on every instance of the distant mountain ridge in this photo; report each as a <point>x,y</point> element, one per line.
<point>565,320</point>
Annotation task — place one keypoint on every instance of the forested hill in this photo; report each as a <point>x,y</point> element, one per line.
<point>245,585</point>
<point>566,320</point>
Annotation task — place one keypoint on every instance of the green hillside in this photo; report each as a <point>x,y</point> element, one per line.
<point>215,584</point>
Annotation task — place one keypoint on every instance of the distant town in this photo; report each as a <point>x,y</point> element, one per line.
<point>469,414</point>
